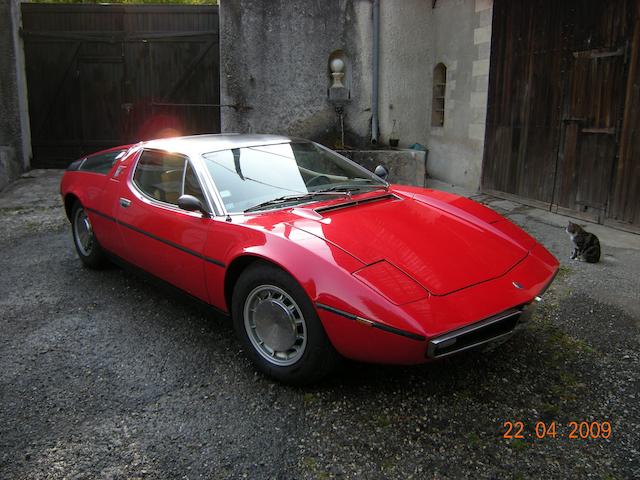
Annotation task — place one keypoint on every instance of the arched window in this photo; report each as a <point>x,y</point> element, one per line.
<point>439,90</point>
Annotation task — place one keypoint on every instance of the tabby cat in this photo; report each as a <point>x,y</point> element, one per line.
<point>586,246</point>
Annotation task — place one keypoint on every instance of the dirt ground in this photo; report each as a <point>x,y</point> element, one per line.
<point>103,375</point>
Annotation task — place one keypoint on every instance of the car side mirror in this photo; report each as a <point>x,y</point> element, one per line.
<point>192,204</point>
<point>381,172</point>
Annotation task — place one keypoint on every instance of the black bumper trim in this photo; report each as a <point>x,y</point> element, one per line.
<point>371,323</point>
<point>474,335</point>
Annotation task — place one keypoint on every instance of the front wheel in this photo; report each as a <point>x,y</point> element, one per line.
<point>84,238</point>
<point>278,327</point>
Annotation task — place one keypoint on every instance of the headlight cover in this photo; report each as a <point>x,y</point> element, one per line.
<point>391,282</point>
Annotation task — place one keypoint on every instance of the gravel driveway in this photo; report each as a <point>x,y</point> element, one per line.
<point>104,375</point>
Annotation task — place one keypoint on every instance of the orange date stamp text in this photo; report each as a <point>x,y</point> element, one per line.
<point>573,430</point>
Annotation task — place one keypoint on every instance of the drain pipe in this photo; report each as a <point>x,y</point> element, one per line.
<point>375,68</point>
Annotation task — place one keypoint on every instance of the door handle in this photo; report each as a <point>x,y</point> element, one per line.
<point>125,202</point>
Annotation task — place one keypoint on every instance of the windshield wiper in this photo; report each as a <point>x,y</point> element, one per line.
<point>293,198</point>
<point>350,188</point>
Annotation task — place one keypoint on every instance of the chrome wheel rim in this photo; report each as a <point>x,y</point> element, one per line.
<point>83,232</point>
<point>275,325</point>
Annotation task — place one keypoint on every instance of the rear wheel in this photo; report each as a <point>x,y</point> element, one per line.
<point>278,327</point>
<point>84,238</point>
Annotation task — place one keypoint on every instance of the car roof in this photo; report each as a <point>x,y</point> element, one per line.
<point>196,145</point>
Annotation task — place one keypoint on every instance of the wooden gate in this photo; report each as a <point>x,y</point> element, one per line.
<point>558,91</point>
<point>104,75</point>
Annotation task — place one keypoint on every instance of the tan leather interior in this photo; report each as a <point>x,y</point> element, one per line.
<point>172,182</point>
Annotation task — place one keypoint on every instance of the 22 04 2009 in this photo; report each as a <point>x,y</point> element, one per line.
<point>573,430</point>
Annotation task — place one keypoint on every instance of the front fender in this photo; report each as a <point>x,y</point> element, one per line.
<point>325,273</point>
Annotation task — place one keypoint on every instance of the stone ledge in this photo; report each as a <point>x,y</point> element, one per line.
<point>405,166</point>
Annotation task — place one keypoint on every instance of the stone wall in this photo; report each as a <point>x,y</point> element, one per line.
<point>405,166</point>
<point>274,69</point>
<point>462,41</point>
<point>405,70</point>
<point>14,123</point>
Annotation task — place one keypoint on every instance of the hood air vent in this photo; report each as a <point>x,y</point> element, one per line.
<point>353,203</point>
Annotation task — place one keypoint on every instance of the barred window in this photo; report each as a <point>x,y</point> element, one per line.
<point>439,90</point>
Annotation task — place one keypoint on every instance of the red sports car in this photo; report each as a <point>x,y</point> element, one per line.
<point>312,256</point>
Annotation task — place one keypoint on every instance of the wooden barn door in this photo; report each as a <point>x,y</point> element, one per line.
<point>104,75</point>
<point>591,129</point>
<point>563,112</point>
<point>624,201</point>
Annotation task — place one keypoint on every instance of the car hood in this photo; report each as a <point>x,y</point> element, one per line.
<point>442,247</point>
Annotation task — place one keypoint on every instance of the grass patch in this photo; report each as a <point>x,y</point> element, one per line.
<point>387,464</point>
<point>564,344</point>
<point>310,465</point>
<point>563,272</point>
<point>519,445</point>
<point>473,439</point>
<point>550,411</point>
<point>381,420</point>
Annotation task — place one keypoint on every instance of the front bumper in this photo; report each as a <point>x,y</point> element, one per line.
<point>439,326</point>
<point>493,330</point>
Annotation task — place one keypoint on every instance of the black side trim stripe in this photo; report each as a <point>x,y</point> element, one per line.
<point>100,214</point>
<point>371,323</point>
<point>161,240</point>
<point>348,315</point>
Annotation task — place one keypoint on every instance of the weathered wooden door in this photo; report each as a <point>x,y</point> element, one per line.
<point>591,128</point>
<point>100,80</point>
<point>104,75</point>
<point>564,107</point>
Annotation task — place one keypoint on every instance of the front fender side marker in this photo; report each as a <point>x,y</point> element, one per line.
<point>364,321</point>
<point>371,323</point>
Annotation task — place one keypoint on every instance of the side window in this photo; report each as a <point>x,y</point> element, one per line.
<point>192,185</point>
<point>159,175</point>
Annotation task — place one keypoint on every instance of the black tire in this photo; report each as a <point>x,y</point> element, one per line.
<point>91,254</point>
<point>317,357</point>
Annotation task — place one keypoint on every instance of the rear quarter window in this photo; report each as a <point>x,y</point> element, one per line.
<point>102,162</point>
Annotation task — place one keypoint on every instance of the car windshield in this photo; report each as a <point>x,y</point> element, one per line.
<point>267,176</point>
